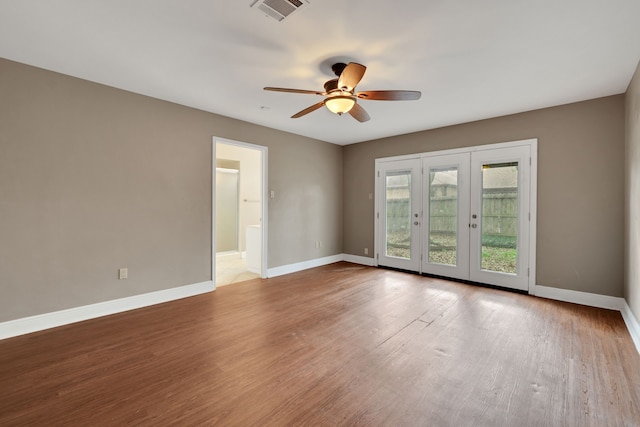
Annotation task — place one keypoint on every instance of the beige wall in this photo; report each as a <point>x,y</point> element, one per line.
<point>632,201</point>
<point>93,178</point>
<point>580,187</point>
<point>307,191</point>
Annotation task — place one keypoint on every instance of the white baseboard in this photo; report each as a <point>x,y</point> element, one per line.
<point>632,324</point>
<point>41,322</point>
<point>577,297</point>
<point>596,300</point>
<point>359,260</point>
<point>304,265</point>
<point>44,321</point>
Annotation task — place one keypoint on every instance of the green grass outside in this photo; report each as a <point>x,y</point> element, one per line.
<point>499,253</point>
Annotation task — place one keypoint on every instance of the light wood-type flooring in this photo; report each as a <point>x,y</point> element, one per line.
<point>337,345</point>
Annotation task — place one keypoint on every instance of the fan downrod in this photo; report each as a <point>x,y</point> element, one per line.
<point>338,68</point>
<point>332,85</point>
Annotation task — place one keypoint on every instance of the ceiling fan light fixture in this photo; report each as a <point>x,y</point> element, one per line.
<point>340,104</point>
<point>340,95</point>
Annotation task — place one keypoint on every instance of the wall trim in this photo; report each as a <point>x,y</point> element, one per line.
<point>356,259</point>
<point>13,328</point>
<point>304,265</point>
<point>632,324</point>
<point>26,325</point>
<point>578,297</point>
<point>599,301</point>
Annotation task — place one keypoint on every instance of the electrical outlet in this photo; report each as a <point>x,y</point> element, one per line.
<point>366,251</point>
<point>123,273</point>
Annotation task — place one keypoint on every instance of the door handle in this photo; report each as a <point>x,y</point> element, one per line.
<point>474,225</point>
<point>416,223</point>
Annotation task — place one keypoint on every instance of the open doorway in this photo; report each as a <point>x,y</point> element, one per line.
<point>239,211</point>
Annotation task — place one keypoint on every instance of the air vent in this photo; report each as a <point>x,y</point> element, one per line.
<point>278,9</point>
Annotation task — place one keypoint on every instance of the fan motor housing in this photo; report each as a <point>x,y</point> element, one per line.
<point>331,85</point>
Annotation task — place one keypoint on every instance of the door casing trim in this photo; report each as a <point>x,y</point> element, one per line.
<point>264,153</point>
<point>533,193</point>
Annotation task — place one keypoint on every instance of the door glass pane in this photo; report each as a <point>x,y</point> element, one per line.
<point>398,221</point>
<point>500,217</point>
<point>443,215</point>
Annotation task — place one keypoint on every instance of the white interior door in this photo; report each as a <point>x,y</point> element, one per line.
<point>399,214</point>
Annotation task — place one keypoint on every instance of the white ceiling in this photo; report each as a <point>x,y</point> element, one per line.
<point>470,59</point>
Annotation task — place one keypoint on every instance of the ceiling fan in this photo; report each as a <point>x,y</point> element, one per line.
<point>340,97</point>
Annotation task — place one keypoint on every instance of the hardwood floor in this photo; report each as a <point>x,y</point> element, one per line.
<point>336,345</point>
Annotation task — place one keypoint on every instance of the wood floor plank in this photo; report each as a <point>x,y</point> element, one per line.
<point>336,345</point>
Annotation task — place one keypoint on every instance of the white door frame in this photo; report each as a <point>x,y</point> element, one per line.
<point>533,194</point>
<point>264,151</point>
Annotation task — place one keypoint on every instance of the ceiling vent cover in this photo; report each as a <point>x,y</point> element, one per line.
<point>278,9</point>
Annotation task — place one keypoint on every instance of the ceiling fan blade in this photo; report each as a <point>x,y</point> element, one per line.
<point>389,95</point>
<point>282,89</point>
<point>358,113</point>
<point>351,76</point>
<point>308,110</point>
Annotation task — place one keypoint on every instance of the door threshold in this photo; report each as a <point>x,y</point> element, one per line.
<point>483,285</point>
<point>401,270</point>
<point>453,279</point>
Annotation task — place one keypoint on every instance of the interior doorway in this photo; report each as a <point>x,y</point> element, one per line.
<point>466,214</point>
<point>239,220</point>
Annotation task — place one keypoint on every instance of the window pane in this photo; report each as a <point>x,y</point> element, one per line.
<point>443,216</point>
<point>500,217</point>
<point>398,221</point>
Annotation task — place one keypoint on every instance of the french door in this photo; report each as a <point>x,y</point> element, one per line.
<point>401,214</point>
<point>446,184</point>
<point>467,212</point>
